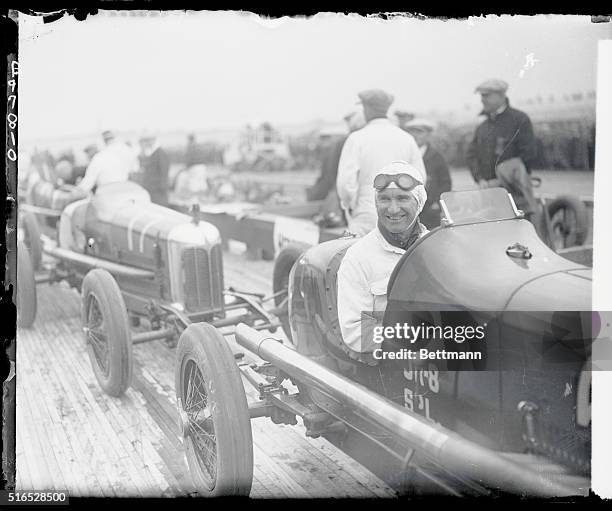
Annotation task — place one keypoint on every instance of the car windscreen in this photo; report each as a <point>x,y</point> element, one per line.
<point>483,205</point>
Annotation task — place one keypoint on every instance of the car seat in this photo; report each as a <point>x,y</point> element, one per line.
<point>330,325</point>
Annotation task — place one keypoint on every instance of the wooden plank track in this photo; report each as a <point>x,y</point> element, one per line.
<point>71,435</point>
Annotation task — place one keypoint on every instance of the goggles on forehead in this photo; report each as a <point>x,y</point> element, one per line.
<point>404,181</point>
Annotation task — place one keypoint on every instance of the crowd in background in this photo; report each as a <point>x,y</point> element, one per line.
<point>560,145</point>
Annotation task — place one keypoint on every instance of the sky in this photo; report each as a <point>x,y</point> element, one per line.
<point>216,70</point>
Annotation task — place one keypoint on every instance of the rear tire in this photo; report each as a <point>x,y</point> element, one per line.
<point>280,280</point>
<point>26,288</point>
<point>568,221</point>
<point>214,415</point>
<point>107,332</point>
<point>32,239</point>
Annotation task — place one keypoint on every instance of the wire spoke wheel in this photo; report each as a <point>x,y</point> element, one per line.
<point>201,425</point>
<point>213,413</point>
<point>96,336</point>
<point>107,331</point>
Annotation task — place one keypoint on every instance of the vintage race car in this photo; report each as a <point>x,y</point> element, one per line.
<point>145,272</point>
<point>518,427</point>
<point>41,204</point>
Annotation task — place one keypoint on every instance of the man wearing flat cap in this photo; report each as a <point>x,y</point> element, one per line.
<point>364,153</point>
<point>438,175</point>
<point>503,150</point>
<point>367,265</point>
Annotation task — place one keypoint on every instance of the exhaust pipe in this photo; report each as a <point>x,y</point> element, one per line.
<point>441,445</point>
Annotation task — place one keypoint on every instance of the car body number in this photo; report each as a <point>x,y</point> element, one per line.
<point>421,383</point>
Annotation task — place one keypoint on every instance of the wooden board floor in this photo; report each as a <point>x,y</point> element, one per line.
<point>70,435</point>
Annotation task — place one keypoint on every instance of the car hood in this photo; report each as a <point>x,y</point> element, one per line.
<point>467,267</point>
<point>560,291</point>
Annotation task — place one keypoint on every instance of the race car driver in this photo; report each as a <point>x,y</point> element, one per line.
<point>367,265</point>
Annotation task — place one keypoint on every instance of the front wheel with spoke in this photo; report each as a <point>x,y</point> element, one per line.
<point>107,331</point>
<point>213,413</point>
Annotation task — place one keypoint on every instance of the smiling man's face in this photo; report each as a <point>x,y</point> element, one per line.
<point>396,208</point>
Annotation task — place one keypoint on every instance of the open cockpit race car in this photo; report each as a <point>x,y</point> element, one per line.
<point>561,222</point>
<point>145,272</point>
<point>423,430</point>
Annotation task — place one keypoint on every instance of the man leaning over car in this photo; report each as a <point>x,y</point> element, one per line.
<point>503,149</point>
<point>367,265</point>
<point>112,164</point>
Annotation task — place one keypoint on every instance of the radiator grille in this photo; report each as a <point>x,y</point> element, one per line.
<point>203,278</point>
<point>216,266</point>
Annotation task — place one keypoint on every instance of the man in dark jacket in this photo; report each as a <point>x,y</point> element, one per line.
<point>505,136</point>
<point>155,164</point>
<point>438,175</point>
<point>191,152</point>
<point>330,156</point>
<point>330,148</point>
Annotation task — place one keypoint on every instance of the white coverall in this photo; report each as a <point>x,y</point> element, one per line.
<point>362,286</point>
<point>113,163</point>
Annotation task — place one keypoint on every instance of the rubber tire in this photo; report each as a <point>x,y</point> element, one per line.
<point>26,288</point>
<point>101,284</point>
<point>580,212</point>
<point>32,234</point>
<point>203,344</point>
<point>283,264</point>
